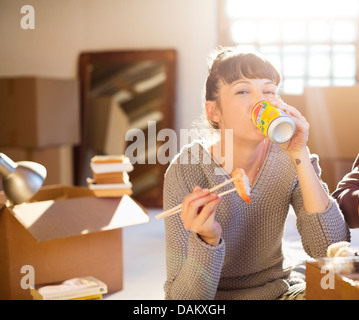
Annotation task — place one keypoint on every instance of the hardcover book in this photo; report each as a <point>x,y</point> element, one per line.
<point>74,288</point>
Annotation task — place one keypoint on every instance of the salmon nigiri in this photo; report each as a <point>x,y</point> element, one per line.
<point>242,184</point>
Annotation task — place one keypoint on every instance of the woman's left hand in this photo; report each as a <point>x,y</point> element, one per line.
<point>299,140</point>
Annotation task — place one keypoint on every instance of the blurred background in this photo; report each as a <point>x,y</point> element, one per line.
<point>313,44</point>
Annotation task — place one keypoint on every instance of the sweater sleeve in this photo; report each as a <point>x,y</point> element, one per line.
<point>347,195</point>
<point>319,230</point>
<point>193,267</point>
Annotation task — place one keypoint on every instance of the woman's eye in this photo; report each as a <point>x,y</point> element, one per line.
<point>242,92</point>
<point>270,92</point>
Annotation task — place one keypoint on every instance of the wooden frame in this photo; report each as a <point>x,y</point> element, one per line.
<point>153,197</point>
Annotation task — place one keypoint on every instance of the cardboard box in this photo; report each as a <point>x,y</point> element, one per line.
<point>297,101</point>
<point>39,112</point>
<point>58,161</point>
<point>333,171</point>
<point>63,233</point>
<point>344,287</point>
<point>333,129</point>
<point>332,114</point>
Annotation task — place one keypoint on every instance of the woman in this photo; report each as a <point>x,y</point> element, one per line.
<point>226,248</point>
<point>347,194</point>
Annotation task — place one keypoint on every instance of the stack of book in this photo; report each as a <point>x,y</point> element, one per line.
<point>110,176</point>
<point>82,288</point>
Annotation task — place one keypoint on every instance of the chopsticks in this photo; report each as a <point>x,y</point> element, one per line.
<point>178,208</point>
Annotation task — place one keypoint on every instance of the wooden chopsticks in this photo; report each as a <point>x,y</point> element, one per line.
<point>178,208</point>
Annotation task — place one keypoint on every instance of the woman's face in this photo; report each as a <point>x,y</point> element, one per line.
<point>236,102</point>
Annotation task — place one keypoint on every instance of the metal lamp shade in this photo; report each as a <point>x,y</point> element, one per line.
<point>21,180</point>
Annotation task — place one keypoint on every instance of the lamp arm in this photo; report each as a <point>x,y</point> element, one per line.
<point>7,166</point>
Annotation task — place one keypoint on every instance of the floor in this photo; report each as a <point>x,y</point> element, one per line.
<point>144,261</point>
<point>144,257</point>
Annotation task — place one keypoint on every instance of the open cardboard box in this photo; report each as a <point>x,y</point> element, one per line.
<point>64,232</point>
<point>343,287</point>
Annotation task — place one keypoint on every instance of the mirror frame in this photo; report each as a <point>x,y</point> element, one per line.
<point>86,60</point>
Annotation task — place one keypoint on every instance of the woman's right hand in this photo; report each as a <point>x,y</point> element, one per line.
<point>198,213</point>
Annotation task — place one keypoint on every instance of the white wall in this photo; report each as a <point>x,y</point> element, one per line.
<point>65,28</point>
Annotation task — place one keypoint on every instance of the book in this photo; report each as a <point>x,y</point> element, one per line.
<point>101,186</point>
<point>92,297</point>
<point>69,289</point>
<point>112,193</point>
<point>107,163</point>
<point>109,159</point>
<point>111,177</point>
<point>110,190</point>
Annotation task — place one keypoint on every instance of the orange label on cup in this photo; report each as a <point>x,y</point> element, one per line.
<point>263,114</point>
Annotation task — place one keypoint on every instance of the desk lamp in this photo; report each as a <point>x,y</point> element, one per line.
<point>21,180</point>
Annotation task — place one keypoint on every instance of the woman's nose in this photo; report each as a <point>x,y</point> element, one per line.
<point>258,97</point>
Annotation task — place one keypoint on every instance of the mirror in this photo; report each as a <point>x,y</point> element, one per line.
<point>122,93</point>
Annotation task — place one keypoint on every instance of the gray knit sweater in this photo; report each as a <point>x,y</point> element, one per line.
<point>249,262</point>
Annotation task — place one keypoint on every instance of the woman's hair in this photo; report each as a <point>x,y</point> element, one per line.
<point>228,65</point>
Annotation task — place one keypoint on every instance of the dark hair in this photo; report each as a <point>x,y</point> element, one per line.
<point>228,65</point>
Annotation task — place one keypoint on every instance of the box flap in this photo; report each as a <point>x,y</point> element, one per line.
<point>48,220</point>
